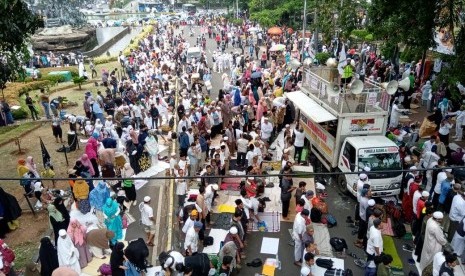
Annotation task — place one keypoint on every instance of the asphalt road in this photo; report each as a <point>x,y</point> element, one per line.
<point>339,205</point>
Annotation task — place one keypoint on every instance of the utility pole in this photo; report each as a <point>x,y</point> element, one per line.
<point>316,27</point>
<point>303,31</point>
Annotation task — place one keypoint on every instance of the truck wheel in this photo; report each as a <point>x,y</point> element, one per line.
<point>342,184</point>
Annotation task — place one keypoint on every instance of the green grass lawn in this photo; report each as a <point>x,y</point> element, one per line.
<point>9,133</point>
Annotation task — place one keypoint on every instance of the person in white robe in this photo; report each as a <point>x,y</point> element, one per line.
<point>458,241</point>
<point>434,239</point>
<point>68,255</point>
<point>395,114</point>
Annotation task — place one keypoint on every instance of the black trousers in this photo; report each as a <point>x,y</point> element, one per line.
<point>286,204</point>
<point>298,153</point>
<point>241,158</point>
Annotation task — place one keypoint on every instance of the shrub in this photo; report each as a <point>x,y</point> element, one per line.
<point>19,113</point>
<point>54,78</point>
<point>322,57</point>
<point>104,59</point>
<point>32,86</point>
<point>79,81</point>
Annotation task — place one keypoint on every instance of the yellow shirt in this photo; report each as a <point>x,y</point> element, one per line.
<point>348,71</point>
<point>278,92</point>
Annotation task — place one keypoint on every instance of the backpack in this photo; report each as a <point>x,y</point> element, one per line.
<point>105,269</point>
<point>330,220</point>
<point>324,263</point>
<point>334,272</point>
<point>338,244</point>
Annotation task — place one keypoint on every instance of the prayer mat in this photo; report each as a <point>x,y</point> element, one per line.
<point>390,248</point>
<point>272,220</point>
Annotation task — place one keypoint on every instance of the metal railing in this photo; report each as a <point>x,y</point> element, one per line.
<point>338,99</point>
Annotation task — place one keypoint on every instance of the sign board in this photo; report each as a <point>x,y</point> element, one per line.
<point>362,126</point>
<point>379,150</point>
<point>318,136</point>
<point>371,99</point>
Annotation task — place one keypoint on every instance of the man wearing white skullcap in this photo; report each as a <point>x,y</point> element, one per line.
<point>434,239</point>
<point>363,179</point>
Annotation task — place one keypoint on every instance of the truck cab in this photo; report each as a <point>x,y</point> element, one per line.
<point>377,153</point>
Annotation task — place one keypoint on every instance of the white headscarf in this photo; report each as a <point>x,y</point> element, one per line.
<point>68,255</point>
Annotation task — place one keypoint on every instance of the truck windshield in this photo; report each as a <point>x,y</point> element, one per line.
<point>379,162</point>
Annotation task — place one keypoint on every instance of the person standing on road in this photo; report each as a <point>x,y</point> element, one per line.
<point>286,191</point>
<point>434,239</point>
<point>374,247</point>
<point>147,220</point>
<point>298,230</point>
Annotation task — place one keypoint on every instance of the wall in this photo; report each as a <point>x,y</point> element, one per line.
<point>100,50</point>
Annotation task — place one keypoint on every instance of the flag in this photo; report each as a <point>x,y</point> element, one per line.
<point>46,159</point>
<point>342,60</point>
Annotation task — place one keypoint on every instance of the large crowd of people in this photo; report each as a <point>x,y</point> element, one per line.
<point>125,123</point>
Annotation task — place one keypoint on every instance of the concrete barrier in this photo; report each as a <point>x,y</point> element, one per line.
<point>101,49</point>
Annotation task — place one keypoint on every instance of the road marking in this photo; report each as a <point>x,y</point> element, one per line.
<point>156,239</point>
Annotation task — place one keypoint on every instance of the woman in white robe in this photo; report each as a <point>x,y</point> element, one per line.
<point>434,239</point>
<point>68,255</point>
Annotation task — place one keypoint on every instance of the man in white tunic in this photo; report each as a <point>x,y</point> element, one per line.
<point>434,239</point>
<point>298,230</point>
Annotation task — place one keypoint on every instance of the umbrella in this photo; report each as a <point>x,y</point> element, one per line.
<point>277,47</point>
<point>275,31</point>
<point>256,74</point>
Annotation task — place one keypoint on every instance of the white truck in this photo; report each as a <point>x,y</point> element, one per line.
<point>346,132</point>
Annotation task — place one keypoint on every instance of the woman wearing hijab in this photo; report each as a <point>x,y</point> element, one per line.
<point>97,198</point>
<point>117,259</point>
<point>85,161</point>
<point>98,241</point>
<point>60,206</point>
<point>136,254</point>
<point>91,151</point>
<point>10,211</point>
<point>31,165</point>
<point>77,233</point>
<point>68,255</point>
<point>23,173</point>
<point>128,184</point>
<point>113,220</point>
<point>47,256</point>
<point>81,194</point>
<point>57,221</point>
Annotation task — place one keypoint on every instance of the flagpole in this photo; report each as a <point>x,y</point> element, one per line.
<point>303,31</point>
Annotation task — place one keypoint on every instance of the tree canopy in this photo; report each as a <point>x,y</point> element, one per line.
<point>17,23</point>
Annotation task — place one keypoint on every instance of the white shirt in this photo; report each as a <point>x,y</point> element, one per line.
<point>181,187</point>
<point>363,208</point>
<point>146,212</point>
<point>249,157</point>
<point>299,138</point>
<point>187,225</point>
<point>38,186</point>
<point>308,203</point>
<point>192,240</point>
<point>416,197</point>
<point>457,209</point>
<point>438,260</point>
<point>375,240</point>
<point>242,145</point>
<point>299,227</point>
<point>247,206</point>
<point>266,130</point>
<point>445,129</point>
<point>427,145</point>
<point>441,177</point>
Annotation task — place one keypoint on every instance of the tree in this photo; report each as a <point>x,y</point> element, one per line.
<point>79,81</point>
<point>17,24</point>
